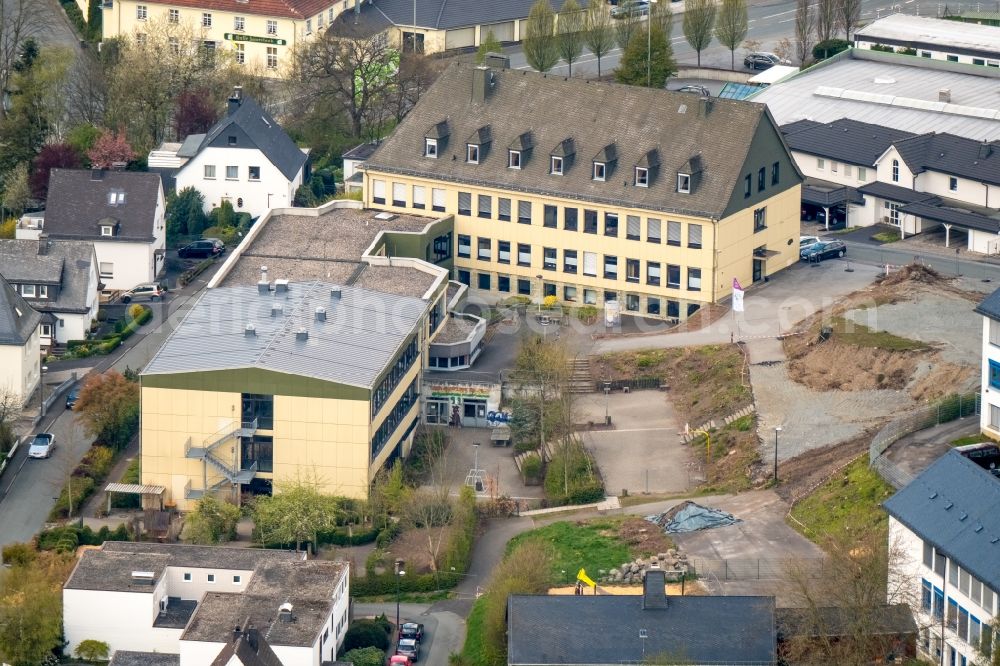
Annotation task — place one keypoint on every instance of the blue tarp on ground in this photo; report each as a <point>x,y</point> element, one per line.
<point>691,517</point>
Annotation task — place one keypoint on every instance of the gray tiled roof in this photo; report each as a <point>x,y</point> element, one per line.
<point>844,140</point>
<point>952,155</point>
<point>556,108</point>
<point>78,201</point>
<point>265,133</point>
<point>129,658</point>
<point>65,263</point>
<point>18,320</point>
<point>955,212</point>
<point>604,629</point>
<point>990,306</point>
<point>953,505</point>
<point>441,14</point>
<point>363,332</point>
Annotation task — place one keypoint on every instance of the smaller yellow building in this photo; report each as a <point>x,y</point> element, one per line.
<point>259,32</point>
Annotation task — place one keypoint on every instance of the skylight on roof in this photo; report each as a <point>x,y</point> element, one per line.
<point>384,216</point>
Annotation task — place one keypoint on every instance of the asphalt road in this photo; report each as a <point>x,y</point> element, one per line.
<point>28,488</point>
<point>444,632</point>
<point>52,26</point>
<point>770,21</point>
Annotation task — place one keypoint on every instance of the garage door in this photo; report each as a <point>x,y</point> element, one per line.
<point>504,32</point>
<point>457,39</point>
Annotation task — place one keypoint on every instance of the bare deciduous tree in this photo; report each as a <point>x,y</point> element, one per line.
<point>662,16</point>
<point>627,23</point>
<point>805,24</point>
<point>569,32</point>
<point>599,36</point>
<point>731,26</point>
<point>699,20</point>
<point>541,49</point>
<point>19,20</point>
<point>87,91</point>
<point>848,16</point>
<point>826,19</point>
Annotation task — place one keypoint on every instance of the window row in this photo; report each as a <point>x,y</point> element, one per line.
<point>835,167</point>
<point>239,22</point>
<point>32,290</point>
<point>394,418</point>
<point>188,577</point>
<point>761,179</point>
<point>958,578</point>
<point>398,370</point>
<point>418,196</point>
<point>961,621</point>
<point>232,172</point>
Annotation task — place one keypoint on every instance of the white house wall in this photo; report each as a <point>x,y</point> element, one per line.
<point>273,190</point>
<point>132,263</point>
<point>196,588</point>
<point>294,656</point>
<point>846,174</point>
<point>990,396</point>
<point>199,653</point>
<point>125,621</point>
<point>19,367</point>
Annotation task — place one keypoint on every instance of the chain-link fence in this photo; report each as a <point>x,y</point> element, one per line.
<point>756,568</point>
<point>948,409</point>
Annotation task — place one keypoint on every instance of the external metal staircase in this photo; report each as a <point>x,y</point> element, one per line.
<point>231,474</point>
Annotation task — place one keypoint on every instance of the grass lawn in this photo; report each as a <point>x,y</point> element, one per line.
<point>848,504</point>
<point>734,449</point>
<point>859,335</point>
<point>474,649</point>
<point>887,236</point>
<point>969,439</point>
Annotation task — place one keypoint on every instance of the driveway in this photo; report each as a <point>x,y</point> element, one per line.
<point>444,631</point>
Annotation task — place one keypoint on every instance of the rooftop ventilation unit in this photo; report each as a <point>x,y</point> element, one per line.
<point>281,286</point>
<point>320,314</point>
<point>144,577</point>
<point>285,613</point>
<point>263,287</point>
<point>302,334</point>
<point>250,331</point>
<point>384,216</point>
<point>335,293</point>
<point>277,309</point>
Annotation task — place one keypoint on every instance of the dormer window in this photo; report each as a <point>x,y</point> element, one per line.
<point>430,148</point>
<point>514,159</point>
<point>556,166</point>
<point>107,230</point>
<point>684,183</point>
<point>600,170</point>
<point>472,153</point>
<point>232,140</point>
<point>641,177</point>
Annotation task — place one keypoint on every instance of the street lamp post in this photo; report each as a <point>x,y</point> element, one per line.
<point>649,42</point>
<point>399,574</point>
<point>607,399</point>
<point>777,429</point>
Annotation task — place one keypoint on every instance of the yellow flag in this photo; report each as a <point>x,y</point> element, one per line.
<point>584,578</point>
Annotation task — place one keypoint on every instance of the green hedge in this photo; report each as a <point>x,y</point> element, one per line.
<point>88,475</point>
<point>190,274</point>
<point>107,344</point>
<point>58,538</point>
<point>341,537</point>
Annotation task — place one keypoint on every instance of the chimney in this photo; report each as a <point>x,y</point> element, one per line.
<point>654,594</point>
<point>235,100</point>
<point>285,613</point>
<point>263,273</point>
<point>277,309</point>
<point>334,293</point>
<point>263,288</point>
<point>944,95</point>
<point>320,314</point>
<point>250,331</point>
<point>302,334</point>
<point>43,244</point>
<point>985,150</point>
<point>704,106</point>
<point>281,286</point>
<point>97,174</point>
<point>483,82</point>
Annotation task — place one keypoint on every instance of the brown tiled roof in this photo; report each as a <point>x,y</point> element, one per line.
<point>605,121</point>
<point>296,9</point>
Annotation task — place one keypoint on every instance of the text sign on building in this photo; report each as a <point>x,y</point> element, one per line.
<point>233,37</point>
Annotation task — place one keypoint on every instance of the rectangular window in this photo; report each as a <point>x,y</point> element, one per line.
<point>747,186</point>
<point>590,264</point>
<point>548,289</point>
<point>975,632</point>
<point>940,563</point>
<point>254,173</point>
<point>309,26</point>
<point>569,261</point>
<point>419,196</point>
<point>472,153</point>
<point>988,598</point>
<point>759,219</point>
<point>569,294</point>
<point>963,622</point>
<point>674,233</point>
<point>187,576</point>
<point>633,227</point>
<point>524,212</point>
<point>978,61</point>
<point>272,57</point>
<point>107,230</point>
<point>430,148</point>
<point>209,171</point>
<point>925,54</point>
<point>503,209</point>
<point>610,267</point>
<point>206,20</point>
<point>237,579</point>
<point>378,191</point>
<point>925,596</point>
<point>272,27</point>
<point>775,173</point>
<point>140,38</point>
<point>834,166</point>
<point>174,44</point>
<point>600,170</point>
<point>976,591</point>
<point>952,619</point>
<point>641,177</point>
<point>464,277</point>
<point>694,236</point>
<point>953,184</point>
<point>928,555</point>
<point>464,246</point>
<point>952,58</point>
<point>524,287</point>
<point>862,174</point>
<point>994,374</point>
<point>820,163</point>
<point>232,173</point>
<point>550,258</point>
<point>684,183</point>
<point>994,410</point>
<point>589,221</point>
<point>107,269</point>
<point>29,289</point>
<point>465,203</point>
<point>43,291</point>
<point>211,578</point>
<point>483,281</point>
<point>239,23</point>
<point>589,297</point>
<point>632,302</point>
<point>632,270</point>
<point>503,284</point>
<point>673,276</point>
<point>653,273</point>
<point>484,251</point>
<point>140,12</point>
<point>570,218</point>
<point>485,206</point>
<point>653,306</point>
<point>550,215</point>
<point>523,254</point>
<point>513,159</point>
<point>399,195</point>
<point>259,407</point>
<point>953,571</point>
<point>437,199</point>
<point>173,15</point>
<point>611,224</point>
<point>503,252</point>
<point>761,179</point>
<point>652,230</point>
<point>556,166</point>
<point>694,279</point>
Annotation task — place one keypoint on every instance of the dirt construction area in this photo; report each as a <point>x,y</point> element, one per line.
<point>909,338</point>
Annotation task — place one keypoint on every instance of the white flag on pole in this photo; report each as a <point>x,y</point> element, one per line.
<point>737,296</point>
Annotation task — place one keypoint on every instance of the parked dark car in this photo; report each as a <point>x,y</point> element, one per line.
<point>636,8</point>
<point>72,397</point>
<point>408,647</point>
<point>695,88</point>
<point>761,60</point>
<point>824,250</point>
<point>202,249</point>
<point>413,630</point>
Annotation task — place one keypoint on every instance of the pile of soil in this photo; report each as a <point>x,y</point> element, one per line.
<point>911,274</point>
<point>643,538</point>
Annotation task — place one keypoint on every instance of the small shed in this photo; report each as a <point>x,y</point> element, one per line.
<point>500,436</point>
<point>134,489</point>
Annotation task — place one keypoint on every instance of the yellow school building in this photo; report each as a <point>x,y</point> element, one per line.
<point>594,192</point>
